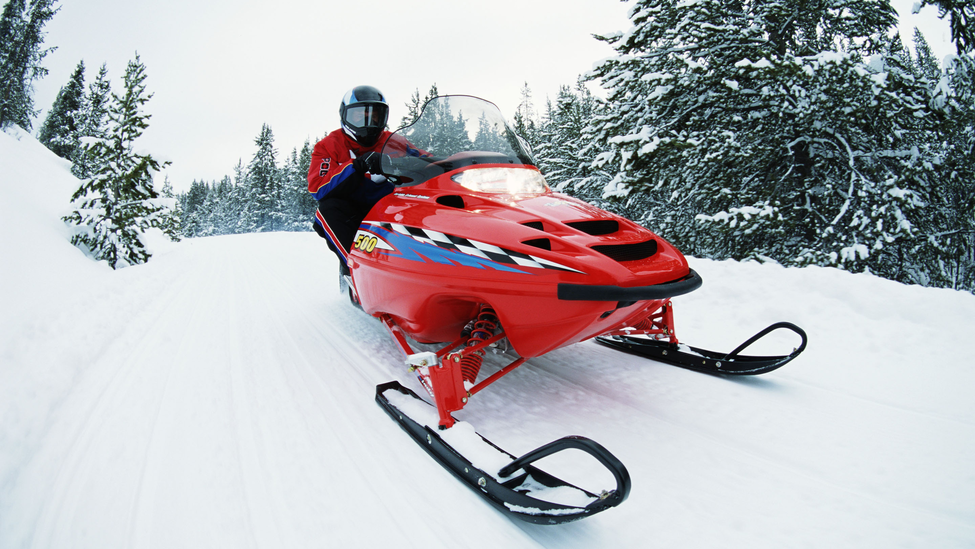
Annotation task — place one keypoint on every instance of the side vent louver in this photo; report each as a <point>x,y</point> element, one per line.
<point>537,225</point>
<point>596,227</point>
<point>628,252</point>
<point>542,243</point>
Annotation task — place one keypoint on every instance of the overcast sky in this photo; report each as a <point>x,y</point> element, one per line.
<point>219,70</point>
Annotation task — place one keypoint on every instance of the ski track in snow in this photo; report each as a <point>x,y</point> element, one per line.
<point>222,395</point>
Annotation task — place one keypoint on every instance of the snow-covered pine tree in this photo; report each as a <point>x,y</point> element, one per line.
<point>440,132</point>
<point>490,136</point>
<point>956,212</point>
<point>59,133</point>
<point>11,36</point>
<point>225,210</point>
<point>961,19</point>
<point>171,217</point>
<point>91,123</point>
<point>116,206</point>
<point>415,105</point>
<point>550,152</point>
<point>290,185</point>
<point>191,203</point>
<point>209,212</point>
<point>770,129</point>
<point>11,22</point>
<point>886,156</point>
<point>299,204</point>
<point>239,197</point>
<point>21,54</point>
<point>525,121</point>
<point>263,207</point>
<point>564,151</point>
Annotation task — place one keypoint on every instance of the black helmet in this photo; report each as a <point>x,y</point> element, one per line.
<point>364,113</point>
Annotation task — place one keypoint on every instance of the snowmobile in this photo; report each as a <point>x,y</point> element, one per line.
<point>474,252</point>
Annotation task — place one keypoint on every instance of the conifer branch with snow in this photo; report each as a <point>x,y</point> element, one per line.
<point>118,204</point>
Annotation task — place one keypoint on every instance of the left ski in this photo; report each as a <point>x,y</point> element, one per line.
<point>512,485</point>
<point>710,362</point>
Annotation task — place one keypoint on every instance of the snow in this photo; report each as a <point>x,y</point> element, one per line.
<point>222,395</point>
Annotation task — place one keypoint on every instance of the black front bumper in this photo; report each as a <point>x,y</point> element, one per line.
<point>581,292</point>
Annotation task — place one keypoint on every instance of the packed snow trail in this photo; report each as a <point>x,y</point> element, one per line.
<point>222,396</point>
<point>228,403</point>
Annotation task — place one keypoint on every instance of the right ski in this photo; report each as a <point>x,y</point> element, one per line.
<point>702,360</point>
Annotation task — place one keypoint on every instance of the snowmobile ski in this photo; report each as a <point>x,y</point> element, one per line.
<point>710,362</point>
<point>512,485</point>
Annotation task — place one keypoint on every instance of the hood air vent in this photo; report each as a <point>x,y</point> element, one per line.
<point>628,252</point>
<point>451,201</point>
<point>542,243</point>
<point>596,227</point>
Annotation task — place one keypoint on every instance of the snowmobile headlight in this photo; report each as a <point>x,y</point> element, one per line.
<point>502,180</point>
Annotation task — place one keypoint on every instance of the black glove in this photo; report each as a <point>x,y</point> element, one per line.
<point>370,162</point>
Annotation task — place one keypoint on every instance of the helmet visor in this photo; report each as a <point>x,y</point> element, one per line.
<point>367,116</point>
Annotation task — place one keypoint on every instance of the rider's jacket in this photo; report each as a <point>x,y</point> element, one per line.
<point>331,173</point>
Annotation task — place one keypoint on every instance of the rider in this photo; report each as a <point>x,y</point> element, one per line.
<point>344,175</point>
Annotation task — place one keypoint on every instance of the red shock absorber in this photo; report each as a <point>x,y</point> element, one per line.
<point>484,327</point>
<point>660,324</point>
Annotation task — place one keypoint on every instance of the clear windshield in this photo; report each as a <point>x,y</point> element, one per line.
<point>452,132</point>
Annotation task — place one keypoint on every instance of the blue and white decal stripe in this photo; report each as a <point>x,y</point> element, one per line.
<point>490,253</point>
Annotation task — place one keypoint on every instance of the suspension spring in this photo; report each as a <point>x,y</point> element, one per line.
<point>484,327</point>
<point>660,324</point>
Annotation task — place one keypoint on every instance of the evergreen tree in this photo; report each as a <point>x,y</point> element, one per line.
<point>240,173</point>
<point>116,205</point>
<point>441,131</point>
<point>91,124</point>
<point>194,217</point>
<point>21,54</point>
<point>170,218</point>
<point>925,63</point>
<point>490,136</point>
<point>780,129</point>
<point>225,209</point>
<point>60,131</point>
<point>299,204</point>
<point>956,205</point>
<point>195,197</point>
<point>11,39</point>
<point>564,152</point>
<point>11,21</point>
<point>525,122</point>
<point>415,106</point>
<point>264,212</point>
<point>961,20</point>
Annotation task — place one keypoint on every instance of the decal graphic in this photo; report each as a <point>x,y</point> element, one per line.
<point>324,169</point>
<point>368,242</point>
<point>424,245</point>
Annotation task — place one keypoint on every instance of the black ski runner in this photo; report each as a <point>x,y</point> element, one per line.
<point>711,362</point>
<point>510,484</point>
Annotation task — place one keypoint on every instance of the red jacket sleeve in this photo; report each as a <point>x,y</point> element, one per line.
<point>330,166</point>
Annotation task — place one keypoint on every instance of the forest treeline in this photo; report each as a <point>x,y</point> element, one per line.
<point>804,134</point>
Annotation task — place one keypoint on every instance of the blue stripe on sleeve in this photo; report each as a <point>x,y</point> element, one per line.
<point>335,182</point>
